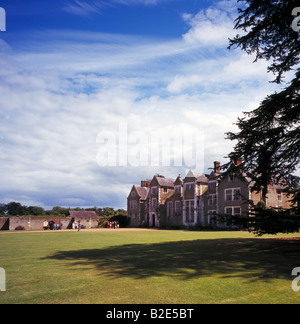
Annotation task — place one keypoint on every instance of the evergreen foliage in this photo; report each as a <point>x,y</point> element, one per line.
<point>268,140</point>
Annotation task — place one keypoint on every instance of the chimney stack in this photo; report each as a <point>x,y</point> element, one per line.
<point>145,183</point>
<point>217,167</point>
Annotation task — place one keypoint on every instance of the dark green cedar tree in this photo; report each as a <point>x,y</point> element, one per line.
<point>268,140</point>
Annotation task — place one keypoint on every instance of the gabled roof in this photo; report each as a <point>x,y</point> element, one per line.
<point>83,214</point>
<point>241,174</point>
<point>178,181</point>
<point>164,182</point>
<point>142,192</point>
<point>194,176</point>
<point>191,174</point>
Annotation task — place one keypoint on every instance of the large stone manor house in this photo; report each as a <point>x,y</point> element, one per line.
<point>196,199</point>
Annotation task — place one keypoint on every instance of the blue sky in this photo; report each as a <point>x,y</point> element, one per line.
<point>71,69</point>
<point>158,18</point>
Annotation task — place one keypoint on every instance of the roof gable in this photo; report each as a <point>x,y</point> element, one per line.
<point>194,176</point>
<point>142,192</point>
<point>162,182</point>
<point>83,214</point>
<point>178,181</point>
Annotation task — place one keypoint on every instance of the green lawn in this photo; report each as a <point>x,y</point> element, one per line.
<point>157,267</point>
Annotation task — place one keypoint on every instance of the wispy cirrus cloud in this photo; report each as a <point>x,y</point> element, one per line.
<point>140,2</point>
<point>84,8</point>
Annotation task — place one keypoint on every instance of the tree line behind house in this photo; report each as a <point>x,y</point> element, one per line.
<point>17,209</point>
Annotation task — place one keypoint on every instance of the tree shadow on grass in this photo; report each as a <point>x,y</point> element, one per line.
<point>252,259</point>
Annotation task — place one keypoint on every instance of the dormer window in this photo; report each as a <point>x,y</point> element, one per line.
<point>178,189</point>
<point>189,186</point>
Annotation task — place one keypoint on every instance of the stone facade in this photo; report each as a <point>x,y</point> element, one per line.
<point>4,223</point>
<point>196,199</point>
<point>37,223</point>
<point>136,203</point>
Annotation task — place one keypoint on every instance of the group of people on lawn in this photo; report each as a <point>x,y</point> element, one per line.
<point>113,225</point>
<point>59,226</point>
<point>52,225</point>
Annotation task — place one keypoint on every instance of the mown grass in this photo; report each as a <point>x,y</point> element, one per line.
<point>151,267</point>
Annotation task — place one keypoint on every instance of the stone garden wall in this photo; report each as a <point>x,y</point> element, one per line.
<point>37,223</point>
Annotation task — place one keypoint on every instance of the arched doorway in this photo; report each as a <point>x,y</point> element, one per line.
<point>153,220</point>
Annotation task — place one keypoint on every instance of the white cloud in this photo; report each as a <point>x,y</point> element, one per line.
<point>210,27</point>
<point>227,72</point>
<point>56,97</point>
